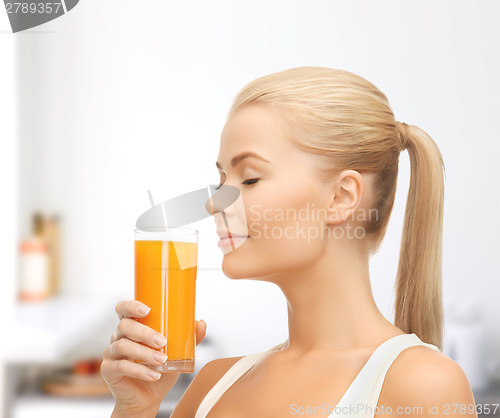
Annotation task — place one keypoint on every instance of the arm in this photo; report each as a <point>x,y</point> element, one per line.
<point>428,384</point>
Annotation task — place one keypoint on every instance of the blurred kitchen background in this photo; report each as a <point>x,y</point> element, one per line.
<point>119,97</point>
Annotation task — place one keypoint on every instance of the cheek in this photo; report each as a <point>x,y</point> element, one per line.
<point>286,226</point>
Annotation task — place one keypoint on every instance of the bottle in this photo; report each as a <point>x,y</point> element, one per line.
<point>47,228</point>
<point>33,269</point>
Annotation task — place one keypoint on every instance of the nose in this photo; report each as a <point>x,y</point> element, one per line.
<point>221,198</point>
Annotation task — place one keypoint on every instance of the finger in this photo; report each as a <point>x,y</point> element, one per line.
<point>113,371</point>
<point>130,350</point>
<point>201,330</point>
<point>131,309</point>
<point>135,331</point>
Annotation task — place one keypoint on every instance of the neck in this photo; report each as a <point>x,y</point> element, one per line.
<point>330,302</point>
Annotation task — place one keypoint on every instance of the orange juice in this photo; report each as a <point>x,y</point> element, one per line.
<point>169,290</point>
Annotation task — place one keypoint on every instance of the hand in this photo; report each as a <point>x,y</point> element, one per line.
<point>135,387</point>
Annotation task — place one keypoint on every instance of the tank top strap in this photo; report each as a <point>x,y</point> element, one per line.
<point>361,399</point>
<point>237,370</point>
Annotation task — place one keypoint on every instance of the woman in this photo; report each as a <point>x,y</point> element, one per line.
<point>314,152</point>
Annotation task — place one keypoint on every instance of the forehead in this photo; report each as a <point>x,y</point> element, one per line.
<point>253,128</point>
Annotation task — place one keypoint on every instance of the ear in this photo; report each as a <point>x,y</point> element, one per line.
<point>347,192</point>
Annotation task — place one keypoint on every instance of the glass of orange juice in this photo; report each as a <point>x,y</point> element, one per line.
<point>165,280</point>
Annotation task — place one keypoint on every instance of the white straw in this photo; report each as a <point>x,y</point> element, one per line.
<point>164,278</point>
<point>162,208</point>
<point>151,198</point>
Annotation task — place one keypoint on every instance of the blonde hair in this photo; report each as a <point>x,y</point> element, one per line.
<point>348,123</point>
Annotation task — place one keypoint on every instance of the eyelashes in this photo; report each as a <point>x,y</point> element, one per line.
<point>247,182</point>
<point>250,181</point>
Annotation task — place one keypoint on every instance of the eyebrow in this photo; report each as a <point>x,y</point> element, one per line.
<point>240,157</point>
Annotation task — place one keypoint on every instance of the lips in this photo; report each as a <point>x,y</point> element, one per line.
<point>225,234</point>
<point>233,242</point>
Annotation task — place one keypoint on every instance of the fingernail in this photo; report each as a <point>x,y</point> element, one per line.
<point>159,339</point>
<point>143,309</point>
<point>154,375</point>
<point>161,357</point>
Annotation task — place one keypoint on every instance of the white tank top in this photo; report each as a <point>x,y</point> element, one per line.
<point>360,399</point>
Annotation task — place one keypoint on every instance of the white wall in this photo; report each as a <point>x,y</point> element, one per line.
<point>121,96</point>
<point>9,189</point>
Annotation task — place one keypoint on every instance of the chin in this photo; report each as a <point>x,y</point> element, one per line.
<point>235,266</point>
<point>233,269</point>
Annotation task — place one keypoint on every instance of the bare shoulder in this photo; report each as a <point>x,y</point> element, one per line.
<point>204,380</point>
<point>421,377</point>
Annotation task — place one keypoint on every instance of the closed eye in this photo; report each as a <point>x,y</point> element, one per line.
<point>247,182</point>
<point>250,181</point>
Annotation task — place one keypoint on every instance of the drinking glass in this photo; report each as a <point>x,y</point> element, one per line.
<point>165,280</point>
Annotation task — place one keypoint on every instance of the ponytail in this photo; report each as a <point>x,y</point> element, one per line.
<point>418,304</point>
